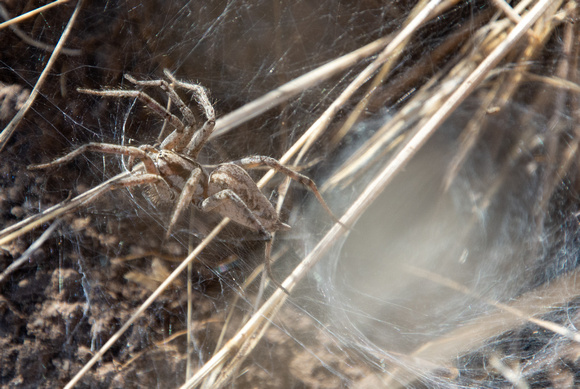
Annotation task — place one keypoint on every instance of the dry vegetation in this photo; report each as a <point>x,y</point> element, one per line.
<point>92,294</point>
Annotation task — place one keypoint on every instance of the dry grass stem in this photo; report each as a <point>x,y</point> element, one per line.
<point>98,355</point>
<point>471,336</point>
<point>10,233</point>
<point>381,76</point>
<point>31,13</point>
<point>556,124</point>
<point>393,48</point>
<point>430,98</point>
<point>508,10</point>
<point>32,42</point>
<point>240,345</point>
<point>427,100</point>
<point>470,136</point>
<point>285,92</point>
<point>526,315</point>
<point>9,129</point>
<point>25,257</point>
<point>258,323</point>
<point>511,375</point>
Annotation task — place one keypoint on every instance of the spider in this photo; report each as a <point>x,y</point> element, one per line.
<point>227,189</point>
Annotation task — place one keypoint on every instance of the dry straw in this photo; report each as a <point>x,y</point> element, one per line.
<point>499,36</point>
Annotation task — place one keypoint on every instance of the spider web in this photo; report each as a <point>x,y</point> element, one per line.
<point>381,308</point>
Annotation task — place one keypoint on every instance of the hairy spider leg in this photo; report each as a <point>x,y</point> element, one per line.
<point>105,148</point>
<point>141,179</point>
<point>185,110</point>
<point>145,98</point>
<point>200,95</point>
<point>186,196</point>
<point>199,138</point>
<point>179,139</point>
<point>258,161</point>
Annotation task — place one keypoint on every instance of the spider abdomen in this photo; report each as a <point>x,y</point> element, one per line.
<point>247,205</point>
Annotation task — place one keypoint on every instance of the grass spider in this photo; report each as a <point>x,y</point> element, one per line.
<point>227,189</point>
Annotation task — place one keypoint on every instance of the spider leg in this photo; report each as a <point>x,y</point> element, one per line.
<point>145,98</point>
<point>106,148</point>
<point>185,111</point>
<point>199,139</point>
<point>258,161</point>
<point>162,135</point>
<point>187,194</point>
<point>140,179</point>
<point>228,195</point>
<point>200,95</point>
